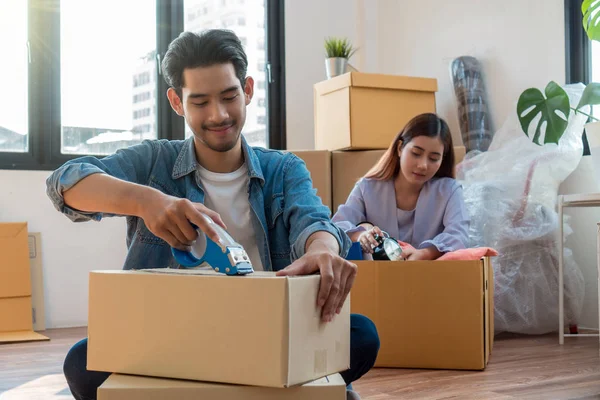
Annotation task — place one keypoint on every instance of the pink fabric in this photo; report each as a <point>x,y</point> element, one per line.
<point>474,253</point>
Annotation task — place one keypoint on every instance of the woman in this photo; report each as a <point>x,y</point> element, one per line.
<point>411,194</point>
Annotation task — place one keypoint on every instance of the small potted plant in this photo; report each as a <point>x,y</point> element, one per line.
<point>554,107</point>
<point>339,51</point>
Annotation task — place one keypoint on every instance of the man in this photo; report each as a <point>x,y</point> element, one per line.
<point>264,198</point>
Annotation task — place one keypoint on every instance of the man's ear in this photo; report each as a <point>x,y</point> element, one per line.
<point>249,89</point>
<point>175,101</point>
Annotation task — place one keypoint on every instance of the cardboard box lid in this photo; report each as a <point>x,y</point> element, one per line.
<point>378,81</point>
<point>15,273</point>
<point>129,387</point>
<point>269,322</point>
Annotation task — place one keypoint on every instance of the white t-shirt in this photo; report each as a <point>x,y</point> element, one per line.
<point>227,194</point>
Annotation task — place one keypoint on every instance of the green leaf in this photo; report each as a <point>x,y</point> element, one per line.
<point>591,18</point>
<point>533,101</point>
<point>590,96</point>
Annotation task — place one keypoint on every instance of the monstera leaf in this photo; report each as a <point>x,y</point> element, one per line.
<point>591,18</point>
<point>554,110</point>
<point>590,96</point>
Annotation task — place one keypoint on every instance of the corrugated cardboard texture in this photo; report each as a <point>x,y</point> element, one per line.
<point>127,387</point>
<point>429,314</point>
<point>349,166</point>
<point>21,336</point>
<point>318,163</point>
<point>37,281</point>
<point>366,111</point>
<point>15,314</point>
<point>310,344</point>
<point>15,276</point>
<point>207,327</point>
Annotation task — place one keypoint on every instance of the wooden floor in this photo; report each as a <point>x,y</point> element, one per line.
<point>520,368</point>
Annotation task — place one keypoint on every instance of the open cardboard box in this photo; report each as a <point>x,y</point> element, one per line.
<point>429,314</point>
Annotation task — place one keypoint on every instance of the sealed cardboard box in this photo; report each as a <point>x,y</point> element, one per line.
<point>365,111</point>
<point>429,314</point>
<point>15,275</point>
<point>318,163</point>
<point>257,329</point>
<point>128,387</point>
<point>16,323</point>
<point>349,166</point>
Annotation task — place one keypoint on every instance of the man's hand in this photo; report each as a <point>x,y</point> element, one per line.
<point>169,218</point>
<point>337,274</point>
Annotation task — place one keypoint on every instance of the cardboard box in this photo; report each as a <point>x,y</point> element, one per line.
<point>15,275</point>
<point>15,285</point>
<point>257,329</point>
<point>349,166</point>
<point>37,281</point>
<point>429,314</point>
<point>366,111</point>
<point>128,387</point>
<point>318,163</point>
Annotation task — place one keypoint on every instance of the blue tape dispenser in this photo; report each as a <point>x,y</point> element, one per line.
<point>227,256</point>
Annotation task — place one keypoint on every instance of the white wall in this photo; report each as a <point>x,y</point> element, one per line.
<point>520,44</point>
<point>69,250</point>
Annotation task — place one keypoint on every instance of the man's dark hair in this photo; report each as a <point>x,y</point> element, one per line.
<point>203,49</point>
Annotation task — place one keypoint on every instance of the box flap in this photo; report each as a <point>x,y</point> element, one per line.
<point>15,273</point>
<point>21,336</point>
<point>380,81</point>
<point>489,306</point>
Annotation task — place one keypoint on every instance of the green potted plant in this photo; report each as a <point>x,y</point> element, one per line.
<point>554,107</point>
<point>338,52</point>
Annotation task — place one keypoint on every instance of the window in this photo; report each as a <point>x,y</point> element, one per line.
<point>14,124</point>
<point>261,102</point>
<point>84,77</point>
<point>256,132</point>
<point>582,57</point>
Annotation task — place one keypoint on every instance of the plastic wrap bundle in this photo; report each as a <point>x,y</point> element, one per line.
<point>473,115</point>
<point>511,193</point>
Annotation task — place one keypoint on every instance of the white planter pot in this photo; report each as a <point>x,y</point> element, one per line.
<point>592,131</point>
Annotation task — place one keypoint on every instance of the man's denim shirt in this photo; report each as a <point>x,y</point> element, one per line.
<point>286,209</point>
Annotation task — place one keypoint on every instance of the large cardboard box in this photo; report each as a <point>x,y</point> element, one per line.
<point>360,110</point>
<point>257,329</point>
<point>16,323</point>
<point>128,387</point>
<point>349,166</point>
<point>318,163</point>
<point>429,314</point>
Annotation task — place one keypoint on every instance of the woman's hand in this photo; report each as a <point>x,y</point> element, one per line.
<point>428,253</point>
<point>367,239</point>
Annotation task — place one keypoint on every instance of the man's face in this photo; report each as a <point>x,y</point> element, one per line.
<point>213,103</point>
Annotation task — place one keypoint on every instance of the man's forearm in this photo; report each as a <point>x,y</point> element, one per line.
<point>322,240</point>
<point>104,193</point>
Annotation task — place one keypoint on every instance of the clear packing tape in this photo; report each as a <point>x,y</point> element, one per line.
<point>511,193</point>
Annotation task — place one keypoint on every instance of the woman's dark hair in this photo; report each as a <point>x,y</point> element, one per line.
<point>428,124</point>
<point>203,49</point>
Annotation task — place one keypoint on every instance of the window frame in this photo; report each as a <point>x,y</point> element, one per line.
<point>578,52</point>
<point>44,114</point>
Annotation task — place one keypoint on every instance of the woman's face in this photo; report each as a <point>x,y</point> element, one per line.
<point>421,159</point>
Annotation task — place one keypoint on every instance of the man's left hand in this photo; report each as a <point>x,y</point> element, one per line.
<point>337,276</point>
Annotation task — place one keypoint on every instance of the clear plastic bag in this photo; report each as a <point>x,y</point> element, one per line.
<point>511,193</point>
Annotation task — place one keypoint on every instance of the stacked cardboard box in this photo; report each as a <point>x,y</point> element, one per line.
<point>253,336</point>
<point>429,314</point>
<point>16,322</point>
